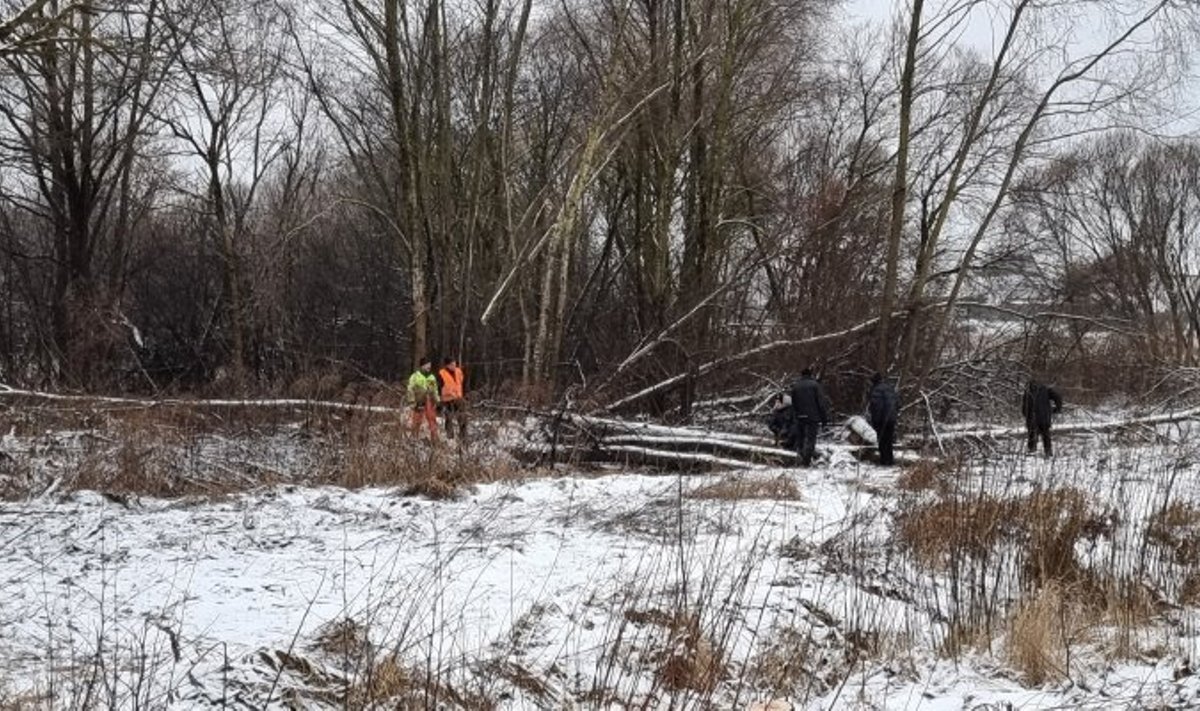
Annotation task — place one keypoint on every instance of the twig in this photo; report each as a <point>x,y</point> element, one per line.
<point>932,424</point>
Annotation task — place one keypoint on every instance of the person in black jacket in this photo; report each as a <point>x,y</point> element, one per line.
<point>811,410</point>
<point>1036,407</point>
<point>883,406</point>
<point>782,423</point>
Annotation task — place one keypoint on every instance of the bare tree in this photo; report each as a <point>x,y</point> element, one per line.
<point>1005,112</point>
<point>74,108</point>
<point>1123,216</point>
<point>224,115</point>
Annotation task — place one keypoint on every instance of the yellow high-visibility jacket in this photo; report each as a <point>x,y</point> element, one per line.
<point>421,387</point>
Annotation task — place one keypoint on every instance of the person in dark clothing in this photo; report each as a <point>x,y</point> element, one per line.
<point>811,410</point>
<point>1036,407</point>
<point>883,406</point>
<point>782,423</point>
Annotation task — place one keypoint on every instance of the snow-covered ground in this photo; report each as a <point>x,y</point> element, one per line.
<point>574,590</point>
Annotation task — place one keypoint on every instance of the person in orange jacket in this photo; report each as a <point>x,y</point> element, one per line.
<point>454,402</point>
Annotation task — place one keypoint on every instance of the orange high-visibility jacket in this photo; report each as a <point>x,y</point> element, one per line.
<point>452,383</point>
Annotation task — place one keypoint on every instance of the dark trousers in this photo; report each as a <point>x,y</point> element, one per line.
<point>1034,431</point>
<point>455,412</point>
<point>806,439</point>
<point>885,436</point>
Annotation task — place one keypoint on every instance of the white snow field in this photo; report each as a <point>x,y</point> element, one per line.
<point>593,588</point>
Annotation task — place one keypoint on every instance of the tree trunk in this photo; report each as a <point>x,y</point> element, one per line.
<point>883,354</point>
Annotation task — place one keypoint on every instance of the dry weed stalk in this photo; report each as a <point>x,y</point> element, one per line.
<point>378,451</point>
<point>964,637</point>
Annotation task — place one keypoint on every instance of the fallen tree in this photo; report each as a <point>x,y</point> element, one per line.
<point>718,364</point>
<point>573,438</point>
<point>1075,428</point>
<point>568,436</point>
<point>15,393</point>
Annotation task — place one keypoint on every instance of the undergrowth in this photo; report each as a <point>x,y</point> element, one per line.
<point>1035,565</point>
<point>178,451</point>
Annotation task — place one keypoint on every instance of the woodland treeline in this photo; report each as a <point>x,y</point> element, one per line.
<point>643,201</point>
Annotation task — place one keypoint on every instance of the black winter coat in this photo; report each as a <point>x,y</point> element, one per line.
<point>1035,405</point>
<point>780,421</point>
<point>809,401</point>
<point>883,405</point>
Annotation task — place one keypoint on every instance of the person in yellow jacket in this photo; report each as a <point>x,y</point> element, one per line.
<point>422,397</point>
<point>454,403</point>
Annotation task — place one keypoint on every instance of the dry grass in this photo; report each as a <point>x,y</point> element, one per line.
<point>317,384</point>
<point>785,661</point>
<point>379,451</point>
<point>1036,637</point>
<point>140,456</point>
<point>1050,627</point>
<point>1046,525</point>
<point>792,660</point>
<point>391,684</point>
<point>689,660</point>
<point>343,638</point>
<point>388,682</point>
<point>746,488</point>
<point>1036,535</point>
<point>1176,528</point>
<point>693,662</point>
<point>1127,608</point>
<point>366,681</point>
<point>963,638</point>
<point>1054,521</point>
<point>519,677</point>
<point>204,451</point>
<point>24,702</point>
<point>929,475</point>
<point>937,530</point>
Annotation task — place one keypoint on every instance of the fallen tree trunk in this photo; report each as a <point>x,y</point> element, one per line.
<point>14,393</point>
<point>744,453</point>
<point>605,424</point>
<point>712,365</point>
<point>1077,427</point>
<point>630,455</point>
<point>575,437</point>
